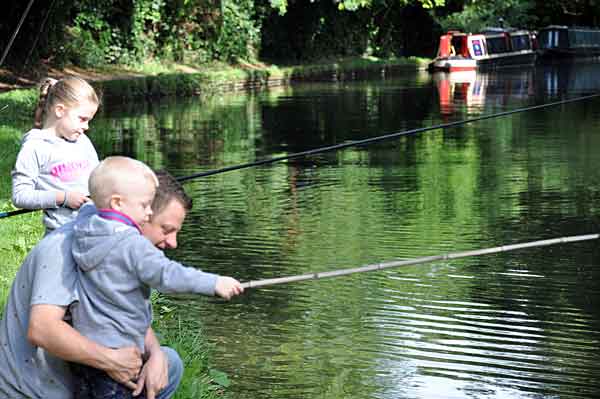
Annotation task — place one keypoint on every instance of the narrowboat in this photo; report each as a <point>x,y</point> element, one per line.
<point>566,42</point>
<point>490,49</point>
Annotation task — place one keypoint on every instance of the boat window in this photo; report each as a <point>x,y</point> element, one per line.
<point>555,38</point>
<point>548,38</point>
<point>583,38</point>
<point>457,45</point>
<point>496,45</point>
<point>520,42</point>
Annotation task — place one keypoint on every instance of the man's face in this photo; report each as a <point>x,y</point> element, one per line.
<point>163,227</point>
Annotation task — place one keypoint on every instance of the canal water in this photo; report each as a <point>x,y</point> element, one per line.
<point>522,324</point>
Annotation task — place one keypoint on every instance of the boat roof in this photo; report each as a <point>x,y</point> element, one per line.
<point>554,27</point>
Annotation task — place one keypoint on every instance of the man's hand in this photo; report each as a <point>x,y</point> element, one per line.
<point>154,376</point>
<point>49,331</point>
<point>228,287</point>
<point>125,365</point>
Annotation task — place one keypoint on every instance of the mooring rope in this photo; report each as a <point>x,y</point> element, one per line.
<point>417,261</point>
<point>354,143</point>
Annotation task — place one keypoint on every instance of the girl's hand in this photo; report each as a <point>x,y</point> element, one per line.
<point>73,199</point>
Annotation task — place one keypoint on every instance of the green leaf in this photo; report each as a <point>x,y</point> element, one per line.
<point>219,377</point>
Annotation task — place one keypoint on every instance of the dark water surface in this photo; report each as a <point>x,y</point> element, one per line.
<point>522,324</point>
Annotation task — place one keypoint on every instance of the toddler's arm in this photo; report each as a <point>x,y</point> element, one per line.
<point>153,268</point>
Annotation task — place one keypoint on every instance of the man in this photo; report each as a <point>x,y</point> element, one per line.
<point>35,339</point>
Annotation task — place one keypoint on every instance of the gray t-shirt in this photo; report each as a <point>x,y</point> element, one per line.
<point>47,276</point>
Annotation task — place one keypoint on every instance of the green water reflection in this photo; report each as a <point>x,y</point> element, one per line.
<point>516,325</point>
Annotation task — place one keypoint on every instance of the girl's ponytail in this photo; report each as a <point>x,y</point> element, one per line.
<point>41,105</point>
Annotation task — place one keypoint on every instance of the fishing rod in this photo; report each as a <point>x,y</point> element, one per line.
<point>359,142</point>
<point>417,261</point>
<point>15,213</point>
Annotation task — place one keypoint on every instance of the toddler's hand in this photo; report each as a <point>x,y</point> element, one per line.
<point>228,287</point>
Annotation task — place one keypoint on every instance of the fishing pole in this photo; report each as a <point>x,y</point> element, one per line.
<point>370,140</point>
<point>417,261</point>
<point>15,213</point>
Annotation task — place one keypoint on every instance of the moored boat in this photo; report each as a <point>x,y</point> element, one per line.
<point>490,49</point>
<point>565,42</point>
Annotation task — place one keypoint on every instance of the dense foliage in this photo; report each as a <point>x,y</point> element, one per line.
<point>97,32</point>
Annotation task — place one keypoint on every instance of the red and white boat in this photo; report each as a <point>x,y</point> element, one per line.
<point>493,48</point>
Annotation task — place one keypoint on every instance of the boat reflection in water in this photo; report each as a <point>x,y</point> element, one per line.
<point>472,91</point>
<point>569,78</point>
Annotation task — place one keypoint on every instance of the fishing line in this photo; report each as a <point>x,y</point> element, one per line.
<point>379,138</point>
<point>37,38</point>
<point>356,143</point>
<point>12,39</point>
<point>417,261</point>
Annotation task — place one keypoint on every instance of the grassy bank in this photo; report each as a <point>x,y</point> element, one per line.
<point>156,80</point>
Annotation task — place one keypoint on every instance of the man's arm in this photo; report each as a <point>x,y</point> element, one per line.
<point>155,373</point>
<point>48,330</point>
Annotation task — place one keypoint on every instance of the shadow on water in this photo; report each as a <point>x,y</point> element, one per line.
<point>515,325</point>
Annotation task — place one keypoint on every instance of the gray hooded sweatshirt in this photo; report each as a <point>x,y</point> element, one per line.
<point>46,164</point>
<point>117,269</point>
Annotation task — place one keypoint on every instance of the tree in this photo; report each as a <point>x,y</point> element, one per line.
<point>477,15</point>
<point>353,5</point>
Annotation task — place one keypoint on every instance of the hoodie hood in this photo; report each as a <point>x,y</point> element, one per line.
<point>94,238</point>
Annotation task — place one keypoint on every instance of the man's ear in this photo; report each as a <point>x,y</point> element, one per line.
<point>115,202</point>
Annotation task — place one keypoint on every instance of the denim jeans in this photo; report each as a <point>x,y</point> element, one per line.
<point>92,383</point>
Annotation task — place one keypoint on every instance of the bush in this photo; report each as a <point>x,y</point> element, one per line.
<point>82,49</point>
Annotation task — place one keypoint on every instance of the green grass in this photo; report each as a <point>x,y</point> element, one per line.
<point>187,338</point>
<point>17,106</point>
<point>19,233</point>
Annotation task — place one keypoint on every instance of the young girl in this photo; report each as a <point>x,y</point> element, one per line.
<point>56,157</point>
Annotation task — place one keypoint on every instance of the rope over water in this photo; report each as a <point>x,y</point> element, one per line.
<point>417,261</point>
<point>356,143</point>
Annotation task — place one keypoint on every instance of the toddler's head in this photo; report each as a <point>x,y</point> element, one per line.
<point>125,185</point>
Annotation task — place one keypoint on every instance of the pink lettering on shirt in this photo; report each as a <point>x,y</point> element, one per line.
<point>70,171</point>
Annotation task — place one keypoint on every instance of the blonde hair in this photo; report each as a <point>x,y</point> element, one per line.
<point>117,175</point>
<point>69,91</point>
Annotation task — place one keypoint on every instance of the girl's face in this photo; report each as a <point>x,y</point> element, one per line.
<point>72,122</point>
